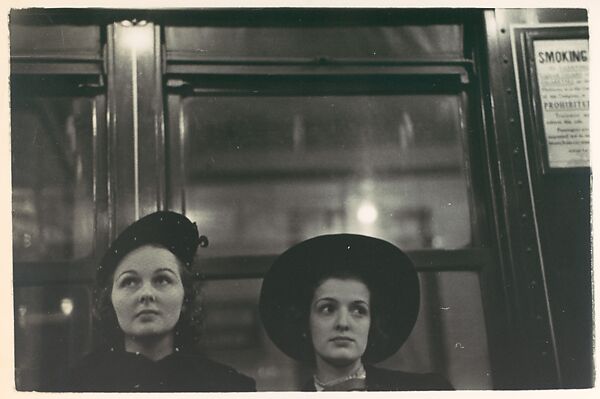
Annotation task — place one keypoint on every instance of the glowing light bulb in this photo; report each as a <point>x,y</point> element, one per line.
<point>66,306</point>
<point>367,213</point>
<point>138,37</point>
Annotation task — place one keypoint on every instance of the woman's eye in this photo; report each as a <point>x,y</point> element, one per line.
<point>326,309</point>
<point>163,280</point>
<point>360,311</point>
<point>128,282</point>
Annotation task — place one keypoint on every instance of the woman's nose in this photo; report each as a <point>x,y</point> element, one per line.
<point>146,293</point>
<point>342,320</point>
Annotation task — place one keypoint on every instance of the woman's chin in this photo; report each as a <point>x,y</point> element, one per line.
<point>341,360</point>
<point>148,332</point>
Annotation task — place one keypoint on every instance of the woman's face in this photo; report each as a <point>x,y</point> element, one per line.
<point>340,317</point>
<point>147,292</point>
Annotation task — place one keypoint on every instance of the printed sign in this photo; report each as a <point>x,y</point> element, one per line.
<point>562,68</point>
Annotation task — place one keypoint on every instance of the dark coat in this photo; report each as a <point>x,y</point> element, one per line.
<point>379,379</point>
<point>119,371</point>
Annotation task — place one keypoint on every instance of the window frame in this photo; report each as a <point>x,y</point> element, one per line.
<point>84,73</point>
<point>191,76</point>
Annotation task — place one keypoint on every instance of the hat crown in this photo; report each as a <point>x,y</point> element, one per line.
<point>171,230</point>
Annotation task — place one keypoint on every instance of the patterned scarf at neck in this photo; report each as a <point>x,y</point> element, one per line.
<point>355,381</point>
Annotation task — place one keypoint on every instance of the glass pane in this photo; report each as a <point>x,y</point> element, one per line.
<point>25,39</point>
<point>441,41</point>
<point>266,172</point>
<point>52,330</point>
<point>449,336</point>
<point>52,170</point>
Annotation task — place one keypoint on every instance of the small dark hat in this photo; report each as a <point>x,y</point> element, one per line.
<point>168,229</point>
<point>389,274</point>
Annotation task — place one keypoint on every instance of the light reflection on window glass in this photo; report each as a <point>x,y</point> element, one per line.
<point>52,330</point>
<point>53,214</point>
<point>266,172</point>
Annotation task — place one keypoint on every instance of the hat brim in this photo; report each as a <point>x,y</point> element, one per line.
<point>387,271</point>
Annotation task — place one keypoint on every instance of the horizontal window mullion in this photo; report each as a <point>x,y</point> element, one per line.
<point>55,56</point>
<point>53,272</point>
<point>194,57</point>
<point>316,83</point>
<point>425,261</point>
<point>338,69</point>
<point>57,68</point>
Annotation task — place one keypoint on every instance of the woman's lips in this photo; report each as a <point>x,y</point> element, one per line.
<point>147,312</point>
<point>342,339</point>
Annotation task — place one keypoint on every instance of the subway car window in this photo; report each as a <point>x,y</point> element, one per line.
<point>378,165</point>
<point>57,129</point>
<point>271,159</point>
<point>55,125</point>
<point>264,172</point>
<point>52,147</point>
<point>58,38</point>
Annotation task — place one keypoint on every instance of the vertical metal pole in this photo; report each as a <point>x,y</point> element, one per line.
<point>137,144</point>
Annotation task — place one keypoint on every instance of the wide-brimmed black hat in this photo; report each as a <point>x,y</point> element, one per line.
<point>168,229</point>
<point>387,271</point>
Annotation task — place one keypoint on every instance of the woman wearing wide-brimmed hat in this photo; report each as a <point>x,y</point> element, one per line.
<point>148,311</point>
<point>344,302</point>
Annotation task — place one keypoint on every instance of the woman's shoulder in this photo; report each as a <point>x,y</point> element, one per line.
<point>86,372</point>
<point>381,379</point>
<point>104,360</point>
<point>181,372</point>
<point>222,377</point>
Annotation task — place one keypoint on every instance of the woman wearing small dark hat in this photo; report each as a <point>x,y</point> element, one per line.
<point>147,308</point>
<point>344,302</point>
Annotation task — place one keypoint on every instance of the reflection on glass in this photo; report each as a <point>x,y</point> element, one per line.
<point>52,140</point>
<point>265,172</point>
<point>52,332</point>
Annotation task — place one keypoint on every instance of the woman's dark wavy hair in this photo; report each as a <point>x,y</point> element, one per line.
<point>188,329</point>
<point>376,331</point>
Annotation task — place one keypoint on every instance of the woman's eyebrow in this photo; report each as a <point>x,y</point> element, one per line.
<point>126,272</point>
<point>165,269</point>
<point>326,298</point>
